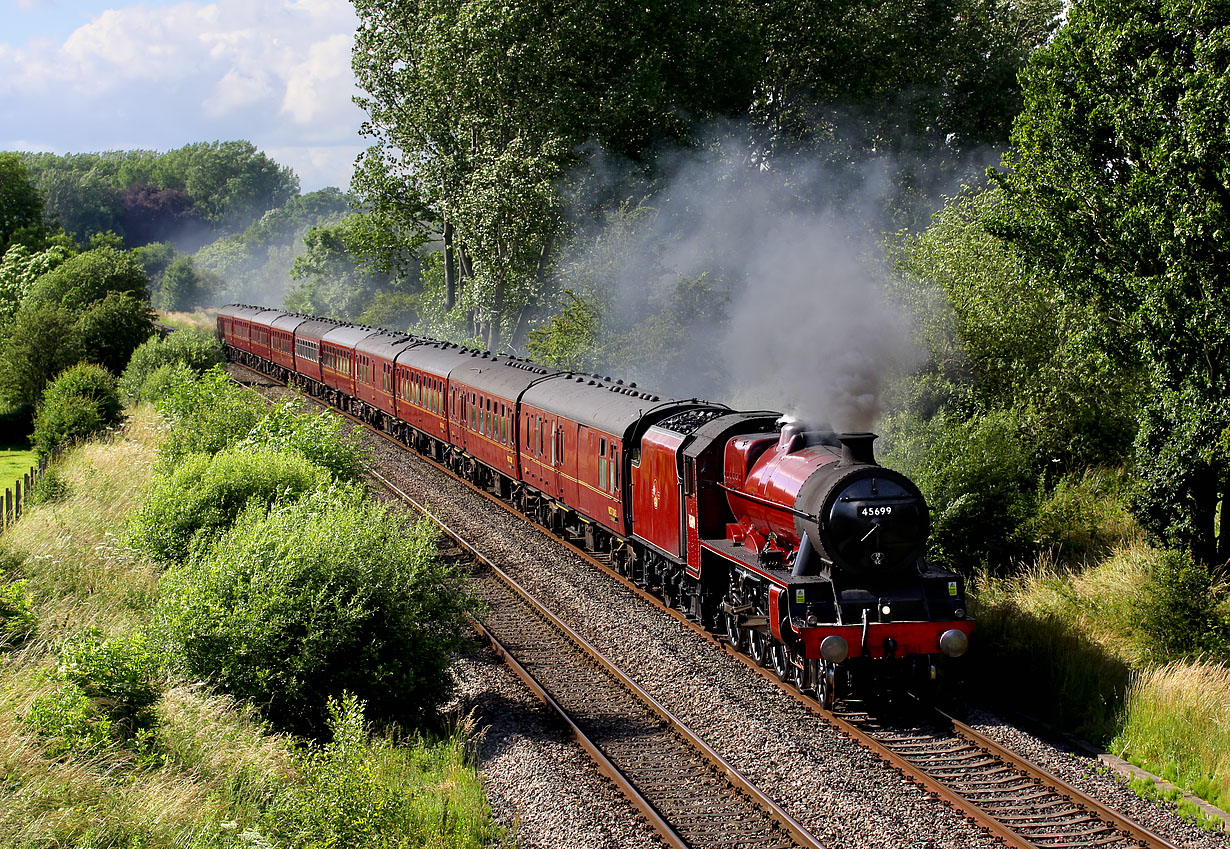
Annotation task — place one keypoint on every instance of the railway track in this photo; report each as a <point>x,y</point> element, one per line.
<point>1015,801</point>
<point>688,793</point>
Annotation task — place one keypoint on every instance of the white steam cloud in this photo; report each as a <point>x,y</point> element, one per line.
<point>808,327</point>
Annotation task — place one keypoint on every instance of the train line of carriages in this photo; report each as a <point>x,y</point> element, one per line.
<point>644,478</point>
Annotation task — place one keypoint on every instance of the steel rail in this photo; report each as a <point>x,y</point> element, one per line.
<point>796,829</point>
<point>913,773</point>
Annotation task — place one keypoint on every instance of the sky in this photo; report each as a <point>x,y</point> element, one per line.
<point>79,76</point>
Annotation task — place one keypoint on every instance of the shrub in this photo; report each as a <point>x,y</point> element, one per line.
<point>206,416</point>
<point>360,792</point>
<point>1180,613</point>
<point>78,404</point>
<point>319,437</point>
<point>104,690</point>
<point>17,619</point>
<point>114,327</point>
<point>319,596</point>
<point>40,343</point>
<point>196,349</point>
<point>164,380</point>
<point>206,492</point>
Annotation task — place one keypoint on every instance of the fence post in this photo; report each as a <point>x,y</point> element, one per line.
<point>8,507</point>
<point>16,500</point>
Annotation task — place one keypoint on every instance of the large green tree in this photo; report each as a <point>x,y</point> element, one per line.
<point>477,110</point>
<point>21,208</point>
<point>1119,179</point>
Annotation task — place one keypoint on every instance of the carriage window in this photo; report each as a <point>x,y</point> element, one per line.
<point>614,470</point>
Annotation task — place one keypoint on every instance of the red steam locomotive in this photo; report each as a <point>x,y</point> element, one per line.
<point>795,543</point>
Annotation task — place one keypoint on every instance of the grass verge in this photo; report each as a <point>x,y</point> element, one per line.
<point>194,769</point>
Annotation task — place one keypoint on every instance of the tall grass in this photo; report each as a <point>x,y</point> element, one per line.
<point>1177,724</point>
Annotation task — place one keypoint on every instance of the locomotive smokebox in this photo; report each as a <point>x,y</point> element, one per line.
<point>856,449</point>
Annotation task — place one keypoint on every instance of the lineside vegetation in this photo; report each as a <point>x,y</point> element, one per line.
<point>272,678</point>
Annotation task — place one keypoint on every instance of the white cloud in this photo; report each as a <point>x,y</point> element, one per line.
<point>276,72</point>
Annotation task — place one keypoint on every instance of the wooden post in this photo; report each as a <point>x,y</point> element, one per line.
<point>16,501</point>
<point>8,507</point>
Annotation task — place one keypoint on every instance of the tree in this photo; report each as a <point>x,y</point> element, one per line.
<point>41,342</point>
<point>20,268</point>
<point>182,287</point>
<point>477,110</point>
<point>112,328</point>
<point>21,207</point>
<point>1118,184</point>
<point>88,277</point>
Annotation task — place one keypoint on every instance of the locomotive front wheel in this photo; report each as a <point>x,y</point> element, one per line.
<point>757,646</point>
<point>826,685</point>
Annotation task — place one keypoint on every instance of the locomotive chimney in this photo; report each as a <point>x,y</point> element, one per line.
<point>856,448</point>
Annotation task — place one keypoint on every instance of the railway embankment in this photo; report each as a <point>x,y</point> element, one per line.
<point>110,740</point>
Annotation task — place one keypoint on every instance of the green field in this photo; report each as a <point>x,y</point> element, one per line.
<point>13,464</point>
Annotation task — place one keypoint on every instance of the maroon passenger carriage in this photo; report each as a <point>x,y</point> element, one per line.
<point>796,544</point>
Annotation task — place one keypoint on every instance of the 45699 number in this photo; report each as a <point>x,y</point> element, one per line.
<point>877,511</point>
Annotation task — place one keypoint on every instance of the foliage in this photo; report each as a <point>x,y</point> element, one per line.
<point>20,268</point>
<point>1002,337</point>
<point>256,263</point>
<point>358,791</point>
<point>88,277</point>
<point>979,480</point>
<point>1116,188</point>
<point>567,340</point>
<point>392,310</point>
<point>146,196</point>
<point>104,692</point>
<point>1083,517</point>
<point>182,287</point>
<point>206,415</point>
<point>112,328</point>
<point>42,341</point>
<point>195,349</point>
<point>474,122</point>
<point>1182,615</point>
<point>162,381</point>
<point>338,277</point>
<point>21,208</point>
<point>314,597</point>
<point>320,438</point>
<point>81,402</point>
<point>17,618</point>
<point>203,495</point>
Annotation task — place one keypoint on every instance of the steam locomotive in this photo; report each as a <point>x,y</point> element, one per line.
<point>794,543</point>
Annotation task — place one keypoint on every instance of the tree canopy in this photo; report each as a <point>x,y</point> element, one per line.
<point>1119,185</point>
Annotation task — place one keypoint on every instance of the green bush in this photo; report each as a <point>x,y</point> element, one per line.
<point>1083,516</point>
<point>1181,613</point>
<point>114,327</point>
<point>78,404</point>
<point>206,416</point>
<point>164,380</point>
<point>194,348</point>
<point>319,437</point>
<point>316,597</point>
<point>104,691</point>
<point>17,619</point>
<point>361,792</point>
<point>206,492</point>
